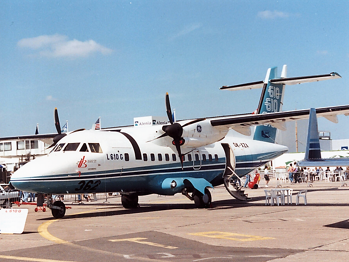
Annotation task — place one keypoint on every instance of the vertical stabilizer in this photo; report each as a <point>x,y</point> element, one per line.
<point>271,101</point>
<point>313,151</point>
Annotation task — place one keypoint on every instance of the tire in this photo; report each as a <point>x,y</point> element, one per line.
<point>58,213</point>
<point>202,201</point>
<point>129,201</point>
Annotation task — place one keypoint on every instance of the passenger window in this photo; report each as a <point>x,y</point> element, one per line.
<point>152,157</point>
<point>173,157</point>
<point>190,158</point>
<point>95,148</point>
<point>197,157</point>
<point>203,157</point>
<point>145,157</point>
<point>159,157</point>
<point>167,157</point>
<point>71,147</point>
<point>84,148</point>
<point>210,157</point>
<point>216,157</point>
<point>127,157</point>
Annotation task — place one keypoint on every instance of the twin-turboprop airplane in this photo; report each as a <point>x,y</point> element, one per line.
<point>187,156</point>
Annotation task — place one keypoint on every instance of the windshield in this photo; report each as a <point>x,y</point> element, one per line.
<point>71,147</point>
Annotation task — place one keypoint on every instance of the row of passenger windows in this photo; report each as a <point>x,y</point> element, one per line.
<point>85,147</point>
<point>188,157</point>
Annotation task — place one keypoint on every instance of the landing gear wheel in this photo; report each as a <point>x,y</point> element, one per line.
<point>58,209</point>
<point>129,201</point>
<point>202,201</point>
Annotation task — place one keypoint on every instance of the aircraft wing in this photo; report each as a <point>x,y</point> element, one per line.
<point>277,119</point>
<point>325,162</point>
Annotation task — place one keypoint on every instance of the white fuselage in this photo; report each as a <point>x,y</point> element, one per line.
<point>126,161</point>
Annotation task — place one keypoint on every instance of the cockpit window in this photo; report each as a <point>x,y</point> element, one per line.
<point>84,148</point>
<point>71,147</point>
<point>58,147</point>
<point>95,148</point>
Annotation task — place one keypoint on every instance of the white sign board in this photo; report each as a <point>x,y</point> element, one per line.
<point>12,220</point>
<point>150,121</point>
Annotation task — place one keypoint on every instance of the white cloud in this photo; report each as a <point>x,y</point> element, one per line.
<point>322,52</point>
<point>186,30</point>
<point>267,14</point>
<point>61,46</point>
<point>50,98</point>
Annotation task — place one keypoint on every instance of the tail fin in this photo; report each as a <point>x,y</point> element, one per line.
<point>270,101</point>
<point>272,96</point>
<point>313,151</point>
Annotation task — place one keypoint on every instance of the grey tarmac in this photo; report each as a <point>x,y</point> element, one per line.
<point>170,228</point>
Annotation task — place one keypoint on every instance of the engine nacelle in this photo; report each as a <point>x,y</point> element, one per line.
<point>202,133</point>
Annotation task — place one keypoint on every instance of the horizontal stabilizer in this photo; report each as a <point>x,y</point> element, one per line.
<point>251,85</point>
<point>284,81</point>
<point>305,79</point>
<point>325,162</point>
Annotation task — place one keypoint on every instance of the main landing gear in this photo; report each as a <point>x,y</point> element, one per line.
<point>129,200</point>
<point>200,200</point>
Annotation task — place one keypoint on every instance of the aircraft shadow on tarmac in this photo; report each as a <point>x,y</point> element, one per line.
<point>342,224</point>
<point>219,204</point>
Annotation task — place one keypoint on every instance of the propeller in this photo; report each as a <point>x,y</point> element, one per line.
<point>59,135</point>
<point>175,130</point>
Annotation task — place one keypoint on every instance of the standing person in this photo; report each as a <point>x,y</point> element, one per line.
<point>290,173</point>
<point>25,196</point>
<point>31,197</point>
<point>79,199</point>
<point>266,176</point>
<point>295,172</point>
<point>248,179</point>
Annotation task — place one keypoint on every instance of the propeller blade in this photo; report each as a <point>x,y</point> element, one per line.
<point>57,124</point>
<point>168,109</point>
<point>178,147</point>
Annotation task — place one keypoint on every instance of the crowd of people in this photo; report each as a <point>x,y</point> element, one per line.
<point>298,174</point>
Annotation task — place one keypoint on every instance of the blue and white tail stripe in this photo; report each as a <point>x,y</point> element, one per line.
<point>271,101</point>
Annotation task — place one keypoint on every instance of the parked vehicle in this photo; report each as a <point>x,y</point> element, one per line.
<point>7,196</point>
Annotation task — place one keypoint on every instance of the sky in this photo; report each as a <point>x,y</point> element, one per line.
<point>117,59</point>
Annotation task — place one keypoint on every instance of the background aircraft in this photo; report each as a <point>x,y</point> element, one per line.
<point>313,151</point>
